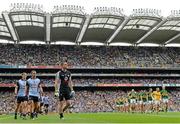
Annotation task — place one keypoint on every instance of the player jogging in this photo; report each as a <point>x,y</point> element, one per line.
<point>165,98</point>
<point>65,88</point>
<point>20,93</point>
<point>46,103</point>
<point>157,98</point>
<point>132,96</point>
<point>120,104</point>
<point>33,86</point>
<point>140,94</point>
<point>150,100</point>
<point>145,100</point>
<point>41,103</point>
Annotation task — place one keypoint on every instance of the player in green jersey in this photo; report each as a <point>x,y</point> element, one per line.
<point>132,96</point>
<point>150,100</point>
<point>165,99</point>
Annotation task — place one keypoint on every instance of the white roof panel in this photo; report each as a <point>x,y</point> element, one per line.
<point>79,20</point>
<point>15,18</point>
<point>110,26</point>
<point>171,23</point>
<point>116,21</point>
<point>22,17</point>
<point>146,22</point>
<point>132,22</point>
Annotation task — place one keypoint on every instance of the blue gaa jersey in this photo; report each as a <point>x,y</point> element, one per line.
<point>46,100</point>
<point>33,86</point>
<point>21,88</point>
<point>41,99</point>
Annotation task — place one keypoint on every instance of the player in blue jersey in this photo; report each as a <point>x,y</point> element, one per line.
<point>46,103</point>
<point>33,86</point>
<point>41,103</point>
<point>65,90</point>
<point>21,95</point>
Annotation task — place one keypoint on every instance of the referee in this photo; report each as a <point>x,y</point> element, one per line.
<point>65,92</point>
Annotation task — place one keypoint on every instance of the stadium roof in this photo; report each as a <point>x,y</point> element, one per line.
<point>71,24</point>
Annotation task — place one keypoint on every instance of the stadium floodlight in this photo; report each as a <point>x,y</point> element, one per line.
<point>108,11</point>
<point>147,12</point>
<point>30,7</point>
<point>68,9</point>
<point>175,13</point>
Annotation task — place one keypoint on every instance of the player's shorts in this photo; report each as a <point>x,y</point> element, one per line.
<point>165,100</point>
<point>132,100</point>
<point>121,105</point>
<point>126,104</point>
<point>157,102</point>
<point>46,105</point>
<point>41,103</point>
<point>150,102</point>
<point>34,98</point>
<point>145,102</point>
<point>140,102</point>
<point>64,95</point>
<point>21,99</point>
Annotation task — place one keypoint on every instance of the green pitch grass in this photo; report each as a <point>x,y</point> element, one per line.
<point>171,117</point>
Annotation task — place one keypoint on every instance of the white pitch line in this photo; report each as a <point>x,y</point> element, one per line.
<point>5,118</point>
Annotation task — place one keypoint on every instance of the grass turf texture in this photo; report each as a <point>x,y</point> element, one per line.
<point>171,117</point>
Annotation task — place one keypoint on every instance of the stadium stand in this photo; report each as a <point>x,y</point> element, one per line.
<point>89,56</point>
<point>94,81</point>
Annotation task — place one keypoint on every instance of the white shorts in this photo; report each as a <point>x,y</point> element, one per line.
<point>165,100</point>
<point>121,105</point>
<point>144,103</point>
<point>117,105</point>
<point>140,102</point>
<point>132,100</point>
<point>150,102</point>
<point>157,102</point>
<point>126,104</point>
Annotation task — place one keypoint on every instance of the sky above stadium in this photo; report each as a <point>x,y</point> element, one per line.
<point>165,5</point>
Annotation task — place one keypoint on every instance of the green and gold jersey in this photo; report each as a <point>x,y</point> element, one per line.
<point>120,101</point>
<point>144,96</point>
<point>132,95</point>
<point>139,96</point>
<point>164,94</point>
<point>150,96</point>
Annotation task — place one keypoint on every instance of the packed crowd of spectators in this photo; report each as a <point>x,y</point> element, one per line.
<point>94,81</point>
<point>89,56</point>
<point>125,81</point>
<point>86,101</point>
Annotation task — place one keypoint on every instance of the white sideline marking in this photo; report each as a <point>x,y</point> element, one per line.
<point>5,117</point>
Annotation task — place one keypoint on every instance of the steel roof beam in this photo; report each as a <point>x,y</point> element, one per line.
<point>48,28</point>
<point>151,31</point>
<point>83,30</point>
<point>10,26</point>
<point>121,26</point>
<point>171,39</point>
